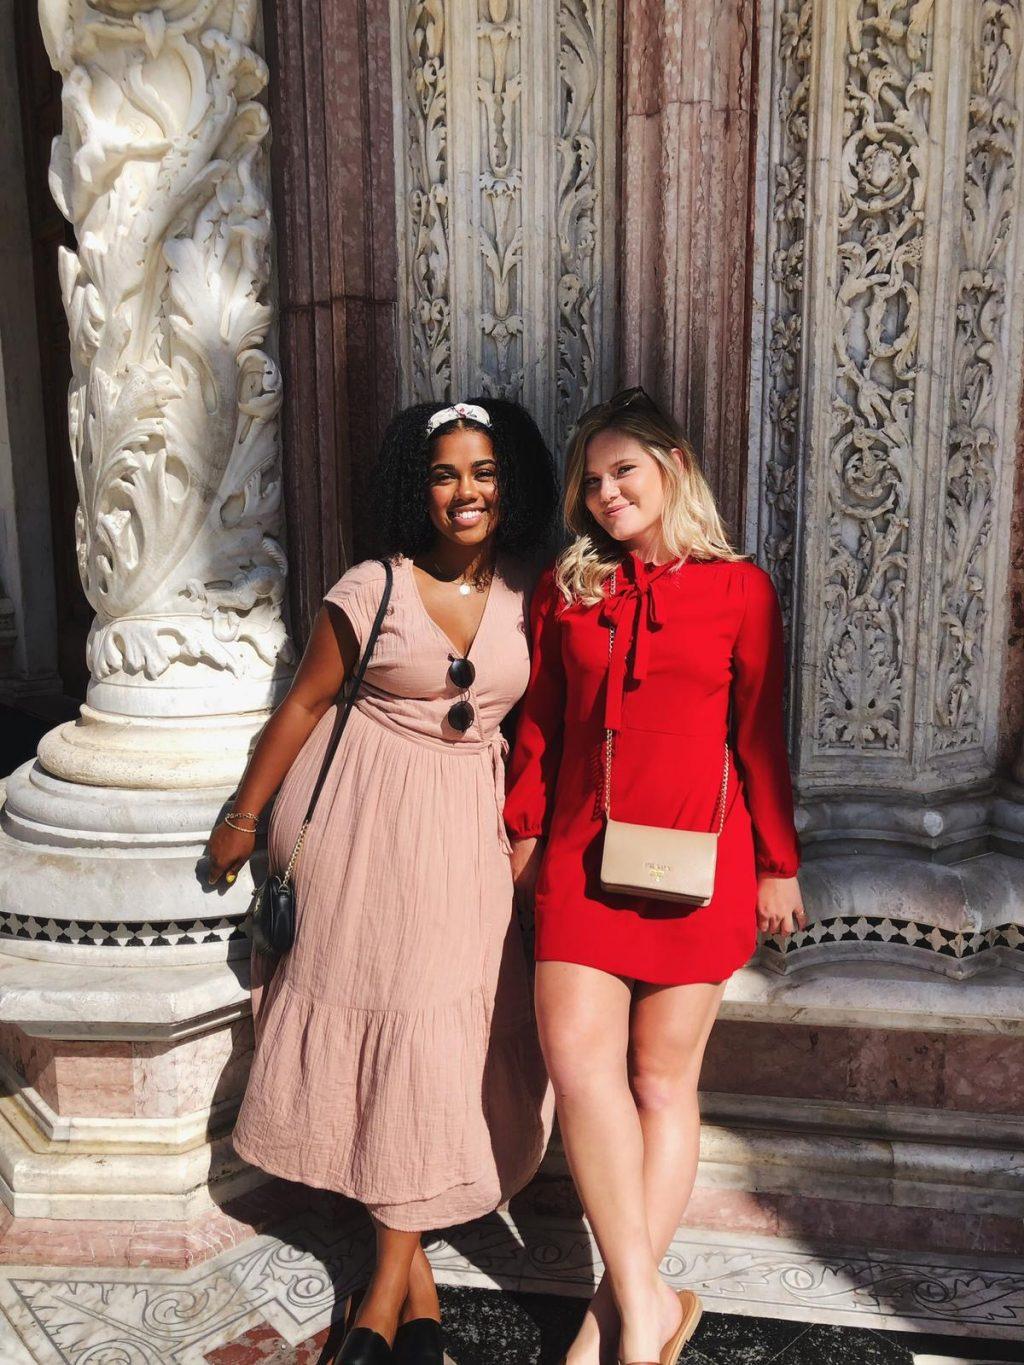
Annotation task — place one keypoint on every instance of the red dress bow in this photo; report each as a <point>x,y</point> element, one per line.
<point>633,602</point>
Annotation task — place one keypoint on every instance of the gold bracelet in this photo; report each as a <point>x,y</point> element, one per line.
<point>230,818</point>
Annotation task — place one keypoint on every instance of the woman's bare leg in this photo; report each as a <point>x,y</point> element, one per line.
<point>584,1016</point>
<point>669,1030</point>
<point>388,1289</point>
<point>422,1300</point>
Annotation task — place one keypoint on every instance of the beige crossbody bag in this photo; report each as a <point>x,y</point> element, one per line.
<point>646,860</point>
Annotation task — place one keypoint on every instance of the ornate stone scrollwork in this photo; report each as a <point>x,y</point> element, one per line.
<point>499,88</point>
<point>579,71</point>
<point>870,469</point>
<point>788,209</point>
<point>980,350</point>
<point>426,207</point>
<point>174,399</point>
<point>502,284</point>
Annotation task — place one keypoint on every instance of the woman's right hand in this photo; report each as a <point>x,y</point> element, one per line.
<point>228,851</point>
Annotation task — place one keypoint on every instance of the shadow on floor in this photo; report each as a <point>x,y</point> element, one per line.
<point>490,1327</point>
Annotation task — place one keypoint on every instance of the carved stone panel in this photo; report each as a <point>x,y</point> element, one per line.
<point>979,446</point>
<point>887,369</point>
<point>880,185</point>
<point>504,131</point>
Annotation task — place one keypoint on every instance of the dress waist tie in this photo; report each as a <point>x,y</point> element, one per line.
<point>495,747</point>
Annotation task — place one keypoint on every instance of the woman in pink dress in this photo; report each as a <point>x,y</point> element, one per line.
<point>396,1055</point>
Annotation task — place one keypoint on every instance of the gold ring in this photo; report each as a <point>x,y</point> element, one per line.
<point>231,877</point>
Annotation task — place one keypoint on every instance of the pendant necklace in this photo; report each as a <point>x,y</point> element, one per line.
<point>465,589</point>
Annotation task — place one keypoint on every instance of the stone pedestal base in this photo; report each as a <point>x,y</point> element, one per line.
<point>89,875</point>
<point>120,1088</point>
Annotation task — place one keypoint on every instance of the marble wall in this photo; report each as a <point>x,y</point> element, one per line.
<point>688,107</point>
<point>28,623</point>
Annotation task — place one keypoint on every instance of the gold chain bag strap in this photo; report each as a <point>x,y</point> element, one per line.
<point>646,860</point>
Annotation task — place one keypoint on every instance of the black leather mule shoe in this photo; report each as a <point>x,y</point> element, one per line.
<point>419,1342</point>
<point>364,1347</point>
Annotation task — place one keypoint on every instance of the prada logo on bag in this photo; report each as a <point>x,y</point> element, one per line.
<point>657,871</point>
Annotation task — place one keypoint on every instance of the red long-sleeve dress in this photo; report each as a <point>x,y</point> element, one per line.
<point>694,641</point>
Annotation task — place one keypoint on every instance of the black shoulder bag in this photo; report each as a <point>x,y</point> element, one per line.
<point>272,926</point>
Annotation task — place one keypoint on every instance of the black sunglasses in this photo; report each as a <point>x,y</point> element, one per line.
<point>637,396</point>
<point>462,673</point>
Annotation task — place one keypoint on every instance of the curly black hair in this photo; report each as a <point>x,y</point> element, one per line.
<point>527,487</point>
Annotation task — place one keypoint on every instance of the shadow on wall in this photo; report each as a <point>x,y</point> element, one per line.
<point>20,733</point>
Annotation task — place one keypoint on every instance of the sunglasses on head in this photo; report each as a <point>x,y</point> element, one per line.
<point>462,672</point>
<point>637,396</point>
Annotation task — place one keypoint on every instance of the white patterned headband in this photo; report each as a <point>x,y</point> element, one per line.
<point>457,410</point>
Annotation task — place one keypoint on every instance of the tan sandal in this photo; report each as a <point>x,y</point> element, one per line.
<point>673,1349</point>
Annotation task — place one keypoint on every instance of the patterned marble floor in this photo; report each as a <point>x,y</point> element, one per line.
<point>534,1329</point>
<point>482,1327</point>
<point>514,1286</point>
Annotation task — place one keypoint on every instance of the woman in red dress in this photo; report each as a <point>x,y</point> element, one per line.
<point>628,987</point>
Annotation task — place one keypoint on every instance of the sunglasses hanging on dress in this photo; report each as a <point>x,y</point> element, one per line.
<point>462,673</point>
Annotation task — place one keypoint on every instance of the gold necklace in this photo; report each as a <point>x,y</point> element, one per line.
<point>465,587</point>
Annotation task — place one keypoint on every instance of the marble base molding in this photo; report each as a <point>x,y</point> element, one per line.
<point>119,1092</point>
<point>953,920</point>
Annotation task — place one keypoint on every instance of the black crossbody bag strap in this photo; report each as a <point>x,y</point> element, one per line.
<point>353,688</point>
<point>344,713</point>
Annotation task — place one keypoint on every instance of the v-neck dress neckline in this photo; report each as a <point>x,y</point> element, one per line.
<point>443,634</point>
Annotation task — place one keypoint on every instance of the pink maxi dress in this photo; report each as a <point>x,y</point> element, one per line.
<point>396,1056</point>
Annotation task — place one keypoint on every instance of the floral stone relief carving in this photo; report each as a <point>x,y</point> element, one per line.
<point>502,288</point>
<point>980,350</point>
<point>883,175</point>
<point>426,208</point>
<point>174,397</point>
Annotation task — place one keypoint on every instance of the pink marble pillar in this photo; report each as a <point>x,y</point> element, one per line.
<point>1011,727</point>
<point>688,125</point>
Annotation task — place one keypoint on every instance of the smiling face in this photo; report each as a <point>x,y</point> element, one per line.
<point>624,490</point>
<point>462,487</point>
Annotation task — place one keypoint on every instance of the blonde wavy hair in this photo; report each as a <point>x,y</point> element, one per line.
<point>691,525</point>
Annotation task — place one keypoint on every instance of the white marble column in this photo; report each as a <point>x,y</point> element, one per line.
<point>889,318</point>
<point>173,421</point>
<point>107,929</point>
<point>505,154</point>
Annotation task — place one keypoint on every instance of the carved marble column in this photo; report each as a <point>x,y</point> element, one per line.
<point>107,930</point>
<point>887,367</point>
<point>688,123</point>
<point>504,135</point>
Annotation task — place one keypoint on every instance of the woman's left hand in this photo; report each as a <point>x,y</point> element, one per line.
<point>780,908</point>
